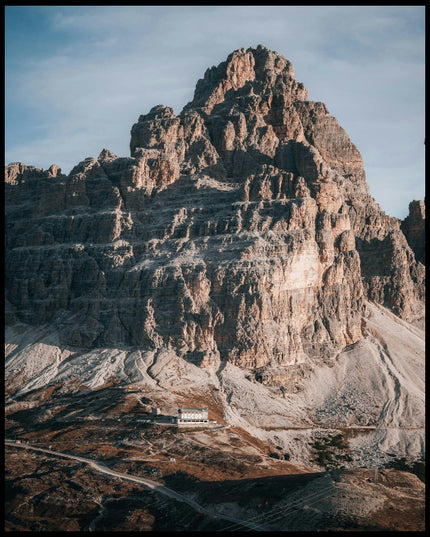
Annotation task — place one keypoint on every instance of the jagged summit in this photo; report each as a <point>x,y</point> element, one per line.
<point>253,71</point>
<point>245,111</point>
<point>242,230</point>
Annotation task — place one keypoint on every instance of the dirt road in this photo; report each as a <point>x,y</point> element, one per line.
<point>148,483</point>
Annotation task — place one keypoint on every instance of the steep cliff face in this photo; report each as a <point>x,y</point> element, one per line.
<point>414,229</point>
<point>241,230</point>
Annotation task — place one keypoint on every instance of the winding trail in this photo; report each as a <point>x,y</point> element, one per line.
<point>148,483</point>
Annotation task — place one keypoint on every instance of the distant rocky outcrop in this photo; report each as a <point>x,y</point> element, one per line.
<point>241,230</point>
<point>413,227</point>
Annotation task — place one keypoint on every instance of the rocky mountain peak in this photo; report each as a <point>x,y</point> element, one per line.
<point>413,226</point>
<point>106,156</point>
<point>16,172</point>
<point>254,71</point>
<point>241,230</point>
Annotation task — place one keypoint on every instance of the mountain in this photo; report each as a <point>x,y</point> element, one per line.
<point>236,259</point>
<point>413,227</point>
<point>228,232</point>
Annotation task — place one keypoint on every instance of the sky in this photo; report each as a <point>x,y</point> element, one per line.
<point>78,77</point>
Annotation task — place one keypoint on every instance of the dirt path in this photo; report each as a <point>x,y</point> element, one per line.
<point>153,485</point>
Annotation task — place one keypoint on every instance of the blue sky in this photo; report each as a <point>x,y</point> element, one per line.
<point>78,77</point>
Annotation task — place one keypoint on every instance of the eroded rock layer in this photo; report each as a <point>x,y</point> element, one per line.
<point>241,230</point>
<point>413,226</point>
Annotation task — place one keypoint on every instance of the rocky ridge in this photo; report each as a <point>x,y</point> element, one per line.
<point>413,227</point>
<point>240,231</point>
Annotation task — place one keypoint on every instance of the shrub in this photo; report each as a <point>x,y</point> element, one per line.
<point>419,469</point>
<point>323,458</point>
<point>338,441</point>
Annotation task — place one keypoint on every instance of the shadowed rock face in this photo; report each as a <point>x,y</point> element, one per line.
<point>413,226</point>
<point>242,229</point>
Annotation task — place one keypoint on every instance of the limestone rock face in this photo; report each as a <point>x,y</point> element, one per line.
<point>241,230</point>
<point>413,227</point>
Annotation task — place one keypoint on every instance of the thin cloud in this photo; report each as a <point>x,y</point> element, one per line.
<point>93,19</point>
